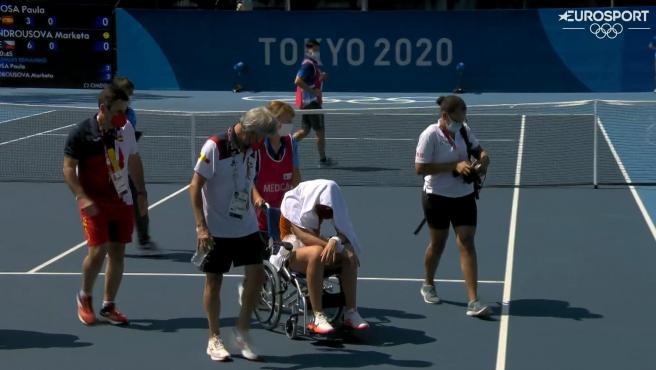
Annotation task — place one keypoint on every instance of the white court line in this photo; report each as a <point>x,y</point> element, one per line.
<point>166,274</point>
<point>37,134</point>
<point>80,245</point>
<point>507,287</point>
<point>627,178</point>
<point>24,117</point>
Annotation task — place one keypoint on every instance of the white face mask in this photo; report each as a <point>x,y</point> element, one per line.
<point>454,126</point>
<point>285,129</point>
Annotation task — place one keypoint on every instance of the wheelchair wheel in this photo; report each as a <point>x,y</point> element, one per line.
<point>269,304</point>
<point>291,326</point>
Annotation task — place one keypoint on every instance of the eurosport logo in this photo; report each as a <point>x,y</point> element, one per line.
<point>606,24</point>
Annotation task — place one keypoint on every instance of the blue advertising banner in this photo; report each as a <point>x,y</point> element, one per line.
<point>564,50</point>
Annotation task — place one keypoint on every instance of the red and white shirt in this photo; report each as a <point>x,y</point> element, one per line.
<point>226,171</point>
<point>85,144</point>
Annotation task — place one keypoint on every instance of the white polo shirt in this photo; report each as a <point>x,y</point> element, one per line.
<point>226,171</point>
<point>435,147</point>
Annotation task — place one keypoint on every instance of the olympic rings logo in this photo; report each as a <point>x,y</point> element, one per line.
<point>606,30</point>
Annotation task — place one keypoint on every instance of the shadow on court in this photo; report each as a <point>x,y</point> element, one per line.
<point>380,332</point>
<point>22,339</point>
<point>339,359</point>
<point>178,255</point>
<point>550,308</point>
<point>91,97</point>
<point>177,324</point>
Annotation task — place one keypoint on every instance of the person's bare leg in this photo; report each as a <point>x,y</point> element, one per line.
<point>349,280</point>
<point>114,270</point>
<point>434,250</point>
<point>468,260</point>
<point>91,266</point>
<point>252,285</point>
<point>212,301</point>
<point>321,143</point>
<point>308,260</point>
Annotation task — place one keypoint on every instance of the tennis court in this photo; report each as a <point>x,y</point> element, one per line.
<point>566,267</point>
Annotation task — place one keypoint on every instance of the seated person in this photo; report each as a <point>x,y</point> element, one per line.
<point>303,209</point>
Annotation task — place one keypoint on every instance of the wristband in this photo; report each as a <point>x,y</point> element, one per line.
<point>338,244</point>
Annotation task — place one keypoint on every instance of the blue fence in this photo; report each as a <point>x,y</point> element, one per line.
<point>577,50</point>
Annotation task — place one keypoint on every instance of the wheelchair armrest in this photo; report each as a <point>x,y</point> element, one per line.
<point>276,245</point>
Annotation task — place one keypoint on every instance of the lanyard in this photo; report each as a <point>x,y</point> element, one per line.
<point>448,137</point>
<point>249,164</point>
<point>111,156</point>
<point>112,163</point>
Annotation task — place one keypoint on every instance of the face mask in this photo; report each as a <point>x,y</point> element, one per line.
<point>285,129</point>
<point>454,126</point>
<point>119,120</point>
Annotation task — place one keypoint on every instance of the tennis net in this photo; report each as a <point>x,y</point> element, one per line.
<point>568,143</point>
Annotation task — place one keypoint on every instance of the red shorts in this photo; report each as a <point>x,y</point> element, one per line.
<point>112,223</point>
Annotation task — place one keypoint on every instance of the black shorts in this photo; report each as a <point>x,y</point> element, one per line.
<point>312,121</point>
<point>443,211</point>
<point>247,250</point>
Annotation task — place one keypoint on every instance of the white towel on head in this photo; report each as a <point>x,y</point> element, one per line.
<point>298,207</point>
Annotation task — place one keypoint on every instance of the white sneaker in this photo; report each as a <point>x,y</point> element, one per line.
<point>477,309</point>
<point>243,342</point>
<point>321,324</point>
<point>216,350</point>
<point>279,259</point>
<point>353,320</point>
<point>430,294</point>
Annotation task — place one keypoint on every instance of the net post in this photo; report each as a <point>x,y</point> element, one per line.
<point>595,179</point>
<point>194,153</point>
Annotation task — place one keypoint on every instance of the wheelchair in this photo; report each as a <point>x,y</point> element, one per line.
<point>285,291</point>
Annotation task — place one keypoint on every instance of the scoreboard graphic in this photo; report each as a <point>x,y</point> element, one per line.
<point>50,45</point>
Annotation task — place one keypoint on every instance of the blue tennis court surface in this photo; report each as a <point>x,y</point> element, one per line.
<point>568,270</point>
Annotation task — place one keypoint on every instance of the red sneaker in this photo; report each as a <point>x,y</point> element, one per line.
<point>353,320</point>
<point>321,325</point>
<point>85,310</point>
<point>112,315</point>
